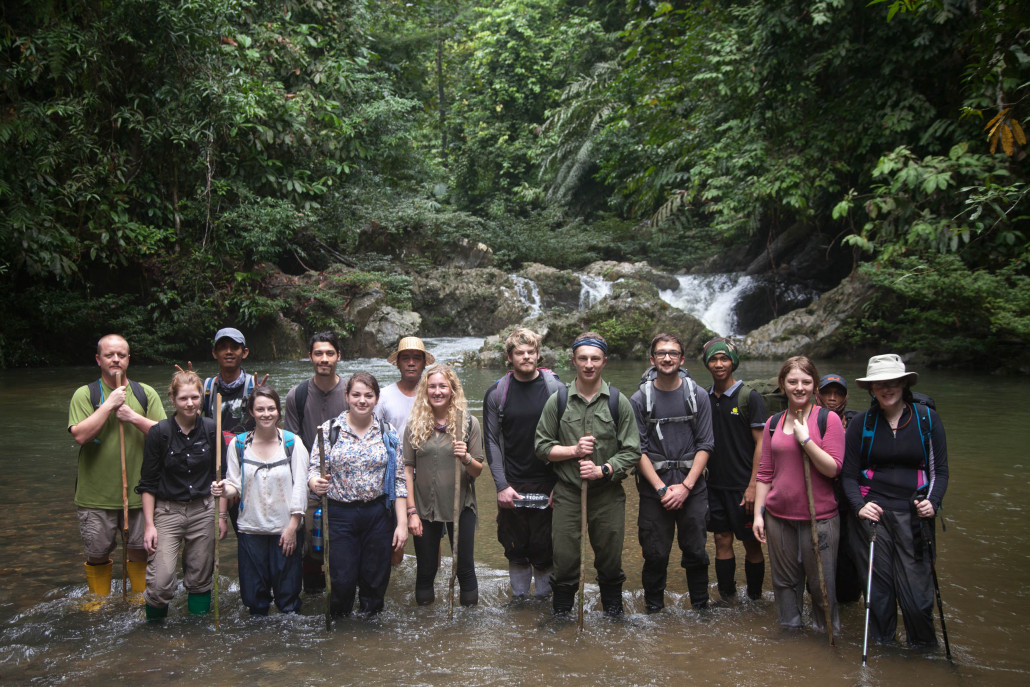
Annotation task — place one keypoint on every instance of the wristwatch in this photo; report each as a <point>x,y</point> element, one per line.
<point>606,471</point>
<point>661,492</point>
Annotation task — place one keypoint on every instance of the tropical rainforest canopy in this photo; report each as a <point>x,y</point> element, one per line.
<point>155,152</point>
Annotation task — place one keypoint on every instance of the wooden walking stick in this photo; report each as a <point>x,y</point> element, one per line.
<point>219,442</point>
<point>325,534</point>
<point>454,543</point>
<point>125,501</point>
<point>815,546</point>
<point>582,544</point>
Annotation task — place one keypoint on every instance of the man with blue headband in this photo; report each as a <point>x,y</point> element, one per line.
<point>588,432</point>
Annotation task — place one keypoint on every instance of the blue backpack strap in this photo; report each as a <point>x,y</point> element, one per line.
<point>868,433</point>
<point>289,439</point>
<point>248,385</point>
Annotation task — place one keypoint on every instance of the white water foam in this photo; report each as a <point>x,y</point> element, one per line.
<point>528,293</point>
<point>592,289</point>
<point>710,298</point>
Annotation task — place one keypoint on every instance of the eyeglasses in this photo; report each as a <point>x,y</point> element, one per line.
<point>668,354</point>
<point>888,384</point>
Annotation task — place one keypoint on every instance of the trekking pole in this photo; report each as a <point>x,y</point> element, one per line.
<point>125,500</point>
<point>325,534</point>
<point>454,542</point>
<point>219,442</point>
<point>815,547</point>
<point>868,591</point>
<point>928,536</point>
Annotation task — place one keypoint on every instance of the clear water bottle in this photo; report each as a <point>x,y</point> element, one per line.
<point>316,530</point>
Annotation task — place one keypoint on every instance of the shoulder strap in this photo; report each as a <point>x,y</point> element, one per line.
<point>773,421</point>
<point>744,403</point>
<point>248,385</point>
<point>868,433</point>
<point>209,395</point>
<point>300,399</point>
<point>96,394</point>
<point>820,420</point>
<point>334,433</point>
<point>289,439</point>
<point>503,384</point>
<point>140,394</point>
<point>551,380</point>
<point>613,403</point>
<point>563,400</point>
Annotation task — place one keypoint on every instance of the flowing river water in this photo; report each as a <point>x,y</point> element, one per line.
<point>46,637</point>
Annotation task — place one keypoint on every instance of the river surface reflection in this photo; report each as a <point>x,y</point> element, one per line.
<point>46,637</point>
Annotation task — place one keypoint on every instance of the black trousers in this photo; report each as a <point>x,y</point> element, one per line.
<point>427,548</point>
<point>655,529</point>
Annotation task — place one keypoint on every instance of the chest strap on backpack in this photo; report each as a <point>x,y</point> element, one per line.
<point>685,463</point>
<point>246,438</point>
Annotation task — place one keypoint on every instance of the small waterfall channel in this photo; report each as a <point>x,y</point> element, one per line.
<point>528,293</point>
<point>710,298</point>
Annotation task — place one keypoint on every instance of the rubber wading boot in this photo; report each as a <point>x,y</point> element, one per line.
<point>137,576</point>
<point>611,599</point>
<point>564,596</point>
<point>424,597</point>
<point>156,614</point>
<point>755,574</point>
<point>543,582</point>
<point>98,577</point>
<point>725,571</point>
<point>521,577</point>
<point>199,603</point>
<point>469,597</point>
<point>697,586</point>
<point>654,602</point>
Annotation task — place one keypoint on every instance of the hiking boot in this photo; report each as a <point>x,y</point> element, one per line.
<point>611,599</point>
<point>563,598</point>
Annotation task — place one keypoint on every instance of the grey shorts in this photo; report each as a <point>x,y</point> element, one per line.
<point>101,528</point>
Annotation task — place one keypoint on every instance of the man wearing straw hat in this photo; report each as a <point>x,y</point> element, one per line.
<point>396,400</point>
<point>93,418</point>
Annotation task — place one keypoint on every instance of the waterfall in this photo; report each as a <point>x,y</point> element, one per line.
<point>710,298</point>
<point>592,289</point>
<point>528,293</point>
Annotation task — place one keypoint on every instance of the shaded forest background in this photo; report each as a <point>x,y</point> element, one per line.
<point>157,153</point>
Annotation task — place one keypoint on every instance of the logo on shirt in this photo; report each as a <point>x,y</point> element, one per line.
<point>735,411</point>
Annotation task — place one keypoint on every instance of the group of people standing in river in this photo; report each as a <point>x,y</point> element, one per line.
<point>402,461</point>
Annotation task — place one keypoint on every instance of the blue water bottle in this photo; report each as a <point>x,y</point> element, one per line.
<point>316,531</point>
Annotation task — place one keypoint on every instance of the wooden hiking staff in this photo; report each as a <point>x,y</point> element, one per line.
<point>815,546</point>
<point>219,442</point>
<point>582,545</point>
<point>325,534</point>
<point>125,501</point>
<point>454,542</point>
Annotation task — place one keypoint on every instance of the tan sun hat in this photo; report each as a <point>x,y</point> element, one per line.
<point>882,368</point>
<point>410,343</point>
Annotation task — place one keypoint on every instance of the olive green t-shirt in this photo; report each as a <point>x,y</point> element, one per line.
<point>434,473</point>
<point>99,482</point>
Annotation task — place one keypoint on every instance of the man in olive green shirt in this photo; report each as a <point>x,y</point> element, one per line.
<point>94,416</point>
<point>586,441</point>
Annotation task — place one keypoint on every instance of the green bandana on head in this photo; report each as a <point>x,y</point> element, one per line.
<point>724,346</point>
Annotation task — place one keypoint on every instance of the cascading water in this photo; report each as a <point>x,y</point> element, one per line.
<point>592,289</point>
<point>528,293</point>
<point>710,298</point>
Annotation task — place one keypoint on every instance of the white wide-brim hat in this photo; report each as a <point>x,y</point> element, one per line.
<point>882,368</point>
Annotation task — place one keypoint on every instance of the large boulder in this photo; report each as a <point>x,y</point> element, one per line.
<point>466,302</point>
<point>628,319</point>
<point>366,310</point>
<point>639,271</point>
<point>817,330</point>
<point>277,339</point>
<point>557,288</point>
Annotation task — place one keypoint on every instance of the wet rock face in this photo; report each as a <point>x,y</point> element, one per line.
<point>815,329</point>
<point>558,288</point>
<point>639,271</point>
<point>466,302</point>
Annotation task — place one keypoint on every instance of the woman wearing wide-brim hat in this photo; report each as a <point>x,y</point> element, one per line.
<point>895,475</point>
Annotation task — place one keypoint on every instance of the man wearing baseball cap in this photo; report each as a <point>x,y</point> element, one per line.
<point>833,395</point>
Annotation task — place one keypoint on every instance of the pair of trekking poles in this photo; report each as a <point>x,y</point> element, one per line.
<point>931,550</point>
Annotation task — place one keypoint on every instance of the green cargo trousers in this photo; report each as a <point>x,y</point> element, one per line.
<point>606,527</point>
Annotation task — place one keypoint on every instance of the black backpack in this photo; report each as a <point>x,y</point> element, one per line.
<point>96,394</point>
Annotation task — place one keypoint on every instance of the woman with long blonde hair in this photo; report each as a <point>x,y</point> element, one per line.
<point>439,432</point>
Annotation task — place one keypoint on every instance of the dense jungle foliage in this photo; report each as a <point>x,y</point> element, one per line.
<point>156,153</point>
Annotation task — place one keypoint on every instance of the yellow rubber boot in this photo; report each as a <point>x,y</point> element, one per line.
<point>137,578</point>
<point>98,577</point>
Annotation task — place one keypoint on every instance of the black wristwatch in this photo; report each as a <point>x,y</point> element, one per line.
<point>661,492</point>
<point>606,471</point>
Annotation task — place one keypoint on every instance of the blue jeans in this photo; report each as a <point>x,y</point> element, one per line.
<point>360,544</point>
<point>266,573</point>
